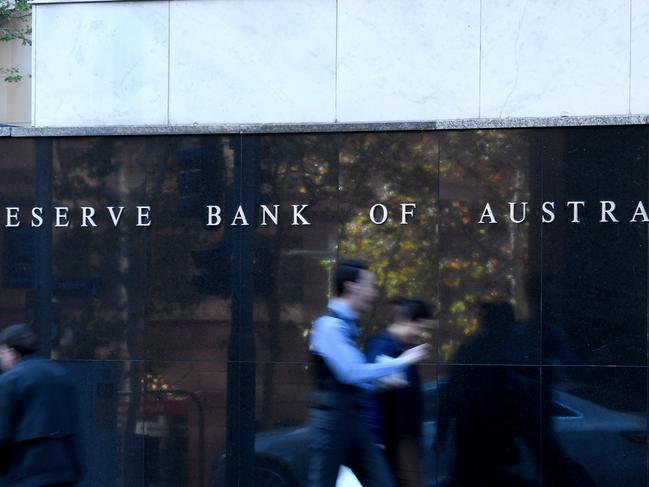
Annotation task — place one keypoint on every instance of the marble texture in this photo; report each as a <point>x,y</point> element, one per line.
<point>555,58</point>
<point>101,63</point>
<point>639,102</point>
<point>252,61</point>
<point>407,60</point>
<point>295,63</point>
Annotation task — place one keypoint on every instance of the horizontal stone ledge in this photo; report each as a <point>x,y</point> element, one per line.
<point>267,128</point>
<point>51,2</point>
<point>45,2</point>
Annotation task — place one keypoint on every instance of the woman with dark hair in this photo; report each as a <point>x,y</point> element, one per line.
<point>394,411</point>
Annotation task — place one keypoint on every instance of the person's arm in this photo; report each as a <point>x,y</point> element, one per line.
<point>377,349</point>
<point>375,346</point>
<point>331,340</point>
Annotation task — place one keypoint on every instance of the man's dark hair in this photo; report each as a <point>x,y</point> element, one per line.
<point>412,309</point>
<point>348,270</point>
<point>20,337</point>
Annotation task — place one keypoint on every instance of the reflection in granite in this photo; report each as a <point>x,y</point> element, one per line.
<point>594,286</point>
<point>391,171</point>
<point>291,262</point>
<point>17,188</point>
<point>550,389</point>
<point>599,417</point>
<point>290,270</point>
<point>189,277</point>
<point>98,272</point>
<point>494,438</point>
<point>487,262</point>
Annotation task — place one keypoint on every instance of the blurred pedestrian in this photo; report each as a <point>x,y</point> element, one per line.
<point>38,416</point>
<point>394,412</point>
<point>496,411</point>
<point>340,436</point>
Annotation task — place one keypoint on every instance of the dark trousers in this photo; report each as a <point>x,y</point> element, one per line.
<point>341,438</point>
<point>404,458</point>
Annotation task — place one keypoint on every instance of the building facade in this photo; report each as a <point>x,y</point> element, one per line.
<point>193,170</point>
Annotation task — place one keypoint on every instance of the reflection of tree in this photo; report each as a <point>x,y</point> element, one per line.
<point>449,181</point>
<point>100,173</point>
<point>480,262</point>
<point>172,291</point>
<point>128,172</point>
<point>391,169</point>
<point>474,263</point>
<point>292,170</point>
<point>449,175</point>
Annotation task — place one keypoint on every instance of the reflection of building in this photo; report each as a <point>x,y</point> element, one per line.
<point>223,313</point>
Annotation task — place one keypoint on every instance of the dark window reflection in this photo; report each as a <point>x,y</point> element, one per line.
<point>594,273</point>
<point>494,438</point>
<point>291,265</point>
<point>17,245</point>
<point>599,420</point>
<point>488,262</point>
<point>189,341</point>
<point>99,272</point>
<point>189,263</point>
<point>392,170</point>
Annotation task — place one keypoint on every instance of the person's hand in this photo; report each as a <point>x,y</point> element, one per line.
<point>416,354</point>
<point>389,382</point>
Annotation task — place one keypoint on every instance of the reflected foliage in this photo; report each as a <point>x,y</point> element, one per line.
<point>482,263</point>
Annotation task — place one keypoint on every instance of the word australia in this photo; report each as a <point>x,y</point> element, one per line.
<point>606,211</point>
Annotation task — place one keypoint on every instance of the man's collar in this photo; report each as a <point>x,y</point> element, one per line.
<point>28,357</point>
<point>342,309</point>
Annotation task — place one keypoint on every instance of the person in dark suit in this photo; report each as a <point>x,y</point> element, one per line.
<point>394,413</point>
<point>38,416</point>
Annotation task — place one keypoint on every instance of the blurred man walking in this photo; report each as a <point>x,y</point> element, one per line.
<point>38,416</point>
<point>394,414</point>
<point>340,436</point>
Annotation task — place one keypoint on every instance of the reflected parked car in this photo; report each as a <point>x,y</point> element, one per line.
<point>610,445</point>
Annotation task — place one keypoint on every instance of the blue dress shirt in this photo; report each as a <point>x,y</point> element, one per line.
<point>334,340</point>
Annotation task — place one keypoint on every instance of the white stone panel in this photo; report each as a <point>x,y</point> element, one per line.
<point>555,58</point>
<point>640,58</point>
<point>408,60</point>
<point>252,61</point>
<point>101,63</point>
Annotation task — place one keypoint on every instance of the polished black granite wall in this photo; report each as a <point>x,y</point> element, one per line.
<point>189,341</point>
